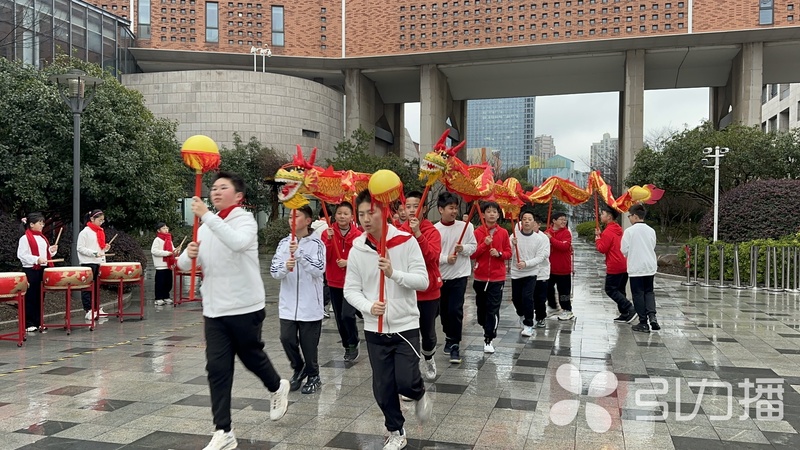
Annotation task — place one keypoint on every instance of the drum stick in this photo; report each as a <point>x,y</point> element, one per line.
<point>112,239</point>
<point>59,235</point>
<point>55,260</point>
<point>184,240</point>
<point>108,254</point>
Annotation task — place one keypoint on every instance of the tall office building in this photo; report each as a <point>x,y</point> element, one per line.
<point>544,147</point>
<point>504,126</point>
<point>604,158</point>
<point>780,107</point>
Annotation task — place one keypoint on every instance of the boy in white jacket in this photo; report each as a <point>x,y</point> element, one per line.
<point>527,253</point>
<point>300,265</point>
<point>394,352</point>
<point>639,247</point>
<point>233,302</point>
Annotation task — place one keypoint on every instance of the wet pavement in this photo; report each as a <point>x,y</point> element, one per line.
<point>722,373</point>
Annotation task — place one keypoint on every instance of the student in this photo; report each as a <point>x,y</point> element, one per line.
<point>319,227</point>
<point>455,268</point>
<point>525,268</point>
<point>542,277</point>
<point>639,246</point>
<point>33,252</point>
<point>300,264</point>
<point>494,249</point>
<point>430,243</point>
<point>92,248</point>
<point>560,266</point>
<point>608,243</point>
<point>340,238</point>
<point>233,302</point>
<point>393,353</point>
<point>164,260</point>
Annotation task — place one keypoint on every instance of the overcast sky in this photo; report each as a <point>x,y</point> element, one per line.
<point>575,121</point>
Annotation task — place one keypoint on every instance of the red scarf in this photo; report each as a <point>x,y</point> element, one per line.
<point>393,242</point>
<point>35,247</point>
<point>170,260</point>
<point>223,214</point>
<point>101,234</point>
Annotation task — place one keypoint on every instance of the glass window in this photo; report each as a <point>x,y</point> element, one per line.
<point>144,19</point>
<point>277,26</point>
<point>765,10</point>
<point>212,22</point>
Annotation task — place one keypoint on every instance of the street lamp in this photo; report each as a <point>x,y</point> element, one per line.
<point>74,83</point>
<point>715,153</point>
<point>265,53</point>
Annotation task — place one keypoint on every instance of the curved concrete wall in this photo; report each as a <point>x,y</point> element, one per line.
<point>273,108</point>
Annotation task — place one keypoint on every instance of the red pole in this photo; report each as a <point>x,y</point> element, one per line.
<point>382,254</point>
<point>464,231</point>
<point>294,216</point>
<point>422,200</point>
<point>549,211</point>
<point>516,247</point>
<point>198,190</point>
<point>596,212</point>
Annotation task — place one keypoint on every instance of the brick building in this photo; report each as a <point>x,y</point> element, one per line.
<point>314,27</point>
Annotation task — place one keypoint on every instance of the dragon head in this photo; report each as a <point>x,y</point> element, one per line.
<point>435,163</point>
<point>293,177</point>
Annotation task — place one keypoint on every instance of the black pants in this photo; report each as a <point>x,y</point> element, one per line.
<point>86,297</point>
<point>227,336</point>
<point>452,308</point>
<point>345,315</point>
<point>395,370</point>
<point>326,291</point>
<point>540,299</point>
<point>564,285</point>
<point>644,299</point>
<point>615,288</point>
<point>163,284</point>
<point>488,300</point>
<point>297,336</point>
<point>428,310</point>
<point>522,295</point>
<point>33,297</point>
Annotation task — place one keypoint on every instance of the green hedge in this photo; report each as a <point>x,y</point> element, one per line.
<point>744,256</point>
<point>585,230</point>
<point>272,234</point>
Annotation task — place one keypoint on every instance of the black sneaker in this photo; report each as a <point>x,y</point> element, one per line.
<point>346,356</point>
<point>655,326</point>
<point>641,327</point>
<point>455,356</point>
<point>296,381</point>
<point>448,346</point>
<point>351,354</point>
<point>625,318</point>
<point>312,385</point>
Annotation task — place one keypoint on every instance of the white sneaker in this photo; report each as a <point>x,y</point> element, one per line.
<point>424,408</point>
<point>280,401</point>
<point>553,311</point>
<point>396,441</point>
<point>222,441</point>
<point>35,329</point>
<point>88,315</point>
<point>168,301</point>
<point>97,314</point>
<point>566,315</point>
<point>159,302</point>
<point>488,348</point>
<point>430,369</point>
<point>406,399</point>
<point>527,331</point>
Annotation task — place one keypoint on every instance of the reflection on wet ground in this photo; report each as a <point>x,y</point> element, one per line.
<point>722,373</point>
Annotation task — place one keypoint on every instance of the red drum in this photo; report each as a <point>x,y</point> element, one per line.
<point>120,271</point>
<point>57,278</point>
<point>12,284</point>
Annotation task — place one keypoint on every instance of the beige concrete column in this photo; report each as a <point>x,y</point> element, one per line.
<point>364,105</point>
<point>631,116</point>
<point>746,80</point>
<point>434,106</point>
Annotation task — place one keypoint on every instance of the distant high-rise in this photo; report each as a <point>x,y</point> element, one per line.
<point>504,126</point>
<point>604,158</point>
<point>544,147</point>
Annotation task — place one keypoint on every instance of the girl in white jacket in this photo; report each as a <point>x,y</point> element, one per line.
<point>300,265</point>
<point>92,248</point>
<point>34,251</point>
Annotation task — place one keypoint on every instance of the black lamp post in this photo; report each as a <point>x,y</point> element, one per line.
<point>73,85</point>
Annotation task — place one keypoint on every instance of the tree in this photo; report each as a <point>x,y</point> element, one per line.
<point>130,161</point>
<point>351,154</point>
<point>520,173</point>
<point>257,165</point>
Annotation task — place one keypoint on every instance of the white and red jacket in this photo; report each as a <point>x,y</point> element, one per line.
<point>343,243</point>
<point>430,243</point>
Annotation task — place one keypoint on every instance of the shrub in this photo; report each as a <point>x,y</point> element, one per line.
<point>585,229</point>
<point>271,235</point>
<point>744,211</point>
<point>10,232</point>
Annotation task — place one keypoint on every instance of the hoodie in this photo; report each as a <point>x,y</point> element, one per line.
<point>228,253</point>
<point>488,267</point>
<point>408,275</point>
<point>301,289</point>
<point>333,273</point>
<point>609,245</point>
<point>560,251</point>
<point>430,243</point>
